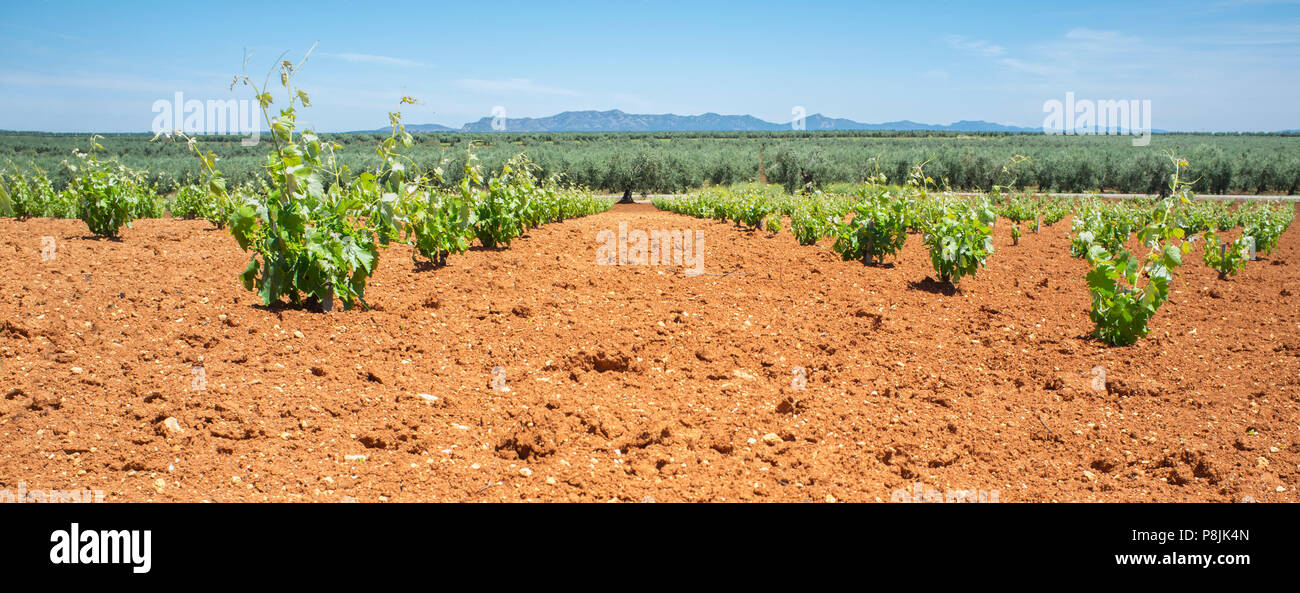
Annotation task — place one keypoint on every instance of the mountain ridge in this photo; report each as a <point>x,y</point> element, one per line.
<point>615,120</point>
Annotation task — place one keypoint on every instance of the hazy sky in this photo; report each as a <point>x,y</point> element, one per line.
<point>100,66</point>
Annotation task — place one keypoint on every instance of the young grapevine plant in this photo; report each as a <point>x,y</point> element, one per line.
<point>1266,226</point>
<point>878,228</point>
<point>32,195</point>
<point>190,202</point>
<point>1228,259</point>
<point>1122,303</point>
<point>303,237</point>
<point>1018,210</point>
<point>809,224</point>
<point>497,211</point>
<point>960,240</point>
<point>442,224</point>
<point>109,195</point>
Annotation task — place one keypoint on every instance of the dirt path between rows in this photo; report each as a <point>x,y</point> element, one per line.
<point>635,383</point>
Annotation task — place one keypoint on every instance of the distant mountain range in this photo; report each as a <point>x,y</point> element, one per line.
<point>618,121</point>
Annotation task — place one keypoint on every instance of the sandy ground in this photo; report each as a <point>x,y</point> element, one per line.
<point>141,368</point>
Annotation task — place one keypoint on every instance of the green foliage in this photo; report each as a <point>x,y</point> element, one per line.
<point>1006,178</point>
<point>1122,304</point>
<point>661,162</point>
<point>109,195</point>
<point>194,201</point>
<point>440,224</point>
<point>209,198</point>
<point>220,207</point>
<point>189,203</point>
<point>1018,209</point>
<point>752,209</point>
<point>497,210</point>
<point>1037,211</point>
<point>303,237</point>
<point>1228,259</point>
<point>772,224</point>
<point>149,204</point>
<point>32,194</point>
<point>1120,308</point>
<point>960,240</point>
<point>1266,225</point>
<point>799,168</point>
<point>629,170</point>
<point>755,206</point>
<point>1199,217</point>
<point>878,228</point>
<point>1055,210</point>
<point>809,224</point>
<point>1107,224</point>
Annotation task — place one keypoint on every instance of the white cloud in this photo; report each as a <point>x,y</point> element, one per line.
<point>57,34</point>
<point>99,83</point>
<point>974,46</point>
<point>1082,54</point>
<point>1085,34</point>
<point>374,59</point>
<point>1030,67</point>
<point>522,86</point>
<point>1249,63</point>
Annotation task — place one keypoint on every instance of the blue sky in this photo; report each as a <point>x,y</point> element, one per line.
<point>99,66</point>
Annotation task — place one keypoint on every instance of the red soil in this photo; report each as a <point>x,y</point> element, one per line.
<point>636,382</point>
